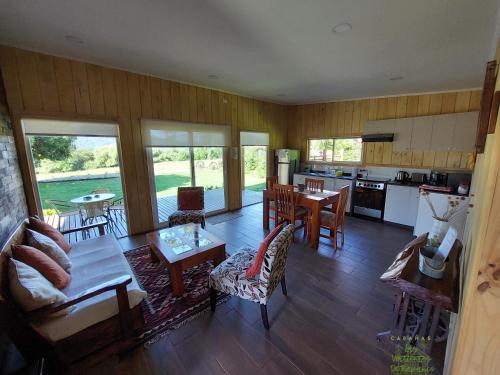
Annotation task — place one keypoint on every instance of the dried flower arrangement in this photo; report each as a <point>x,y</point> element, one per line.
<point>453,208</point>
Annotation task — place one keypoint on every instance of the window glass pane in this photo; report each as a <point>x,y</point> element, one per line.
<point>320,149</point>
<point>348,150</point>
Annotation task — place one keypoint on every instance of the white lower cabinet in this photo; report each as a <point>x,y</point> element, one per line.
<point>401,204</point>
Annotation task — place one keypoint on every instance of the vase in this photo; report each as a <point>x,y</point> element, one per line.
<point>438,231</point>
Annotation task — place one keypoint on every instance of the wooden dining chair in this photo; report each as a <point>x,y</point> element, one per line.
<point>270,182</point>
<point>287,209</point>
<point>314,184</point>
<point>334,219</point>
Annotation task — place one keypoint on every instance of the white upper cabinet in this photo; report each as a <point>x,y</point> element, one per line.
<point>402,134</point>
<point>422,133</point>
<point>379,127</point>
<point>464,136</point>
<point>448,132</point>
<point>443,128</point>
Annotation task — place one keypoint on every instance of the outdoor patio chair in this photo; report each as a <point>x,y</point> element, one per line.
<point>116,210</point>
<point>91,212</point>
<point>230,276</point>
<point>190,207</point>
<point>64,210</point>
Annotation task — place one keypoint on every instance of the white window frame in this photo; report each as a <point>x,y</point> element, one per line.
<point>333,151</point>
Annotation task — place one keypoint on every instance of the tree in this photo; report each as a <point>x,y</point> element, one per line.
<point>52,148</point>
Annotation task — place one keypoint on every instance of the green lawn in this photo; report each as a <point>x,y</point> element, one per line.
<point>169,176</point>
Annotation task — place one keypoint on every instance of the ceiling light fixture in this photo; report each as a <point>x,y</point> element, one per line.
<point>397,78</point>
<point>342,28</point>
<point>73,39</point>
<point>213,76</point>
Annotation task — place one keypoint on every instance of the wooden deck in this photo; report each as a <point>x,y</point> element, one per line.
<point>214,201</point>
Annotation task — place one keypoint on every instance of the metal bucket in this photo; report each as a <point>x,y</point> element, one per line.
<point>429,266</point>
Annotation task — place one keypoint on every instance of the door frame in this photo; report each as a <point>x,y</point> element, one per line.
<point>31,166</point>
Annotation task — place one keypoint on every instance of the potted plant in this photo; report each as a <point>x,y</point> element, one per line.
<point>442,222</point>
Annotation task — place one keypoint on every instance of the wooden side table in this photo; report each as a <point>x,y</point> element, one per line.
<point>423,304</point>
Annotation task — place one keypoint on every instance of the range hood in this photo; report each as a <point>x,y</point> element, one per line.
<point>386,137</point>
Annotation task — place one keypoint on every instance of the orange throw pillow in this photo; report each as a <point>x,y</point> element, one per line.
<point>259,257</point>
<point>42,263</point>
<point>41,227</point>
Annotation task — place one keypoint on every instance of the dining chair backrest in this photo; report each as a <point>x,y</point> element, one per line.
<point>314,184</point>
<point>190,198</point>
<point>339,209</point>
<point>95,209</point>
<point>284,199</point>
<point>271,181</point>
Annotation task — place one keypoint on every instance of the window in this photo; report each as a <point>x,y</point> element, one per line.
<point>333,150</point>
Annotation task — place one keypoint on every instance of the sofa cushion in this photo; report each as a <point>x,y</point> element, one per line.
<point>49,247</point>
<point>30,289</point>
<point>46,229</point>
<point>42,263</point>
<point>94,261</point>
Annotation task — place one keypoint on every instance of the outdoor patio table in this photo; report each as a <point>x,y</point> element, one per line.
<point>95,198</point>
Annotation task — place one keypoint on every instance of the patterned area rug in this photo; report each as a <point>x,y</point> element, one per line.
<point>162,310</point>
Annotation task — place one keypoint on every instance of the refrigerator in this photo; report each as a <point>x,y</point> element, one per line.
<point>287,162</point>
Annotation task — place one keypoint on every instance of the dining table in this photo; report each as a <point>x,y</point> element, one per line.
<point>93,205</point>
<point>313,200</point>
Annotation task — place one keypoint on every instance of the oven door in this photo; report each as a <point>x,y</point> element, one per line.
<point>369,202</point>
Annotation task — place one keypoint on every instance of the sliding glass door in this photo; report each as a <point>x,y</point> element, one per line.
<point>174,167</point>
<point>254,166</point>
<point>77,174</point>
<point>210,172</point>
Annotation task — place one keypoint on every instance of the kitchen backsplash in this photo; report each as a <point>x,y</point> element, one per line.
<point>389,172</point>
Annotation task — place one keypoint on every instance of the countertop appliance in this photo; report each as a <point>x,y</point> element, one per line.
<point>369,197</point>
<point>287,162</point>
<point>438,179</point>
<point>418,177</point>
<point>402,176</point>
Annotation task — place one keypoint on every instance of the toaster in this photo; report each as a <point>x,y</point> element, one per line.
<point>419,177</point>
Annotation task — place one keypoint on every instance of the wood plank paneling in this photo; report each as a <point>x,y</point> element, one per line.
<point>80,84</point>
<point>96,90</point>
<point>63,88</point>
<point>48,84</point>
<point>28,77</point>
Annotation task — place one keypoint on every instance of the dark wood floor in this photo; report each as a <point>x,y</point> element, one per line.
<point>326,325</point>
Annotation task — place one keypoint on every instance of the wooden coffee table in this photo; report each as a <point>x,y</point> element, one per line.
<point>184,246</point>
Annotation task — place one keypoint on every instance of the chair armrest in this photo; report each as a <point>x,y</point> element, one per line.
<point>119,284</point>
<point>100,225</point>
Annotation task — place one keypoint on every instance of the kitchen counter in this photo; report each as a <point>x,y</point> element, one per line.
<point>418,184</point>
<point>326,175</point>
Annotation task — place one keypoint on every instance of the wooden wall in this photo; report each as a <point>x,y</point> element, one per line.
<point>39,85</point>
<point>346,118</point>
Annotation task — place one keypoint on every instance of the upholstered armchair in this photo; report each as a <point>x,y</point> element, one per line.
<point>190,207</point>
<point>230,276</point>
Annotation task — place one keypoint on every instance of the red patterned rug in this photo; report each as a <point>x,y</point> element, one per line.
<point>162,310</point>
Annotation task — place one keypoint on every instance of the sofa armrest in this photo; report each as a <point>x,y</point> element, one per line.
<point>100,225</point>
<point>119,284</point>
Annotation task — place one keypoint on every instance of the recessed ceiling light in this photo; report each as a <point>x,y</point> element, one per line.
<point>397,78</point>
<point>342,28</point>
<point>73,39</point>
<point>281,95</point>
<point>213,76</point>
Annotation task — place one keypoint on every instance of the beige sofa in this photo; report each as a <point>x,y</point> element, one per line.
<point>105,301</point>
